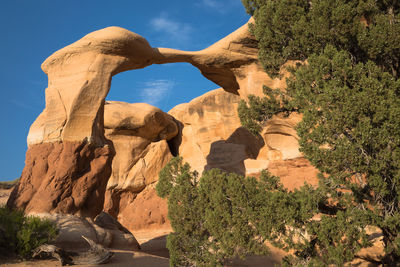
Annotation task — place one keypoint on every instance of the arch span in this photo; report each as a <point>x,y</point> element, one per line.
<point>80,77</point>
<point>68,162</point>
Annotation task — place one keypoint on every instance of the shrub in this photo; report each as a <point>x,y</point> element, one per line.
<point>20,235</point>
<point>223,215</point>
<point>34,233</point>
<point>10,223</point>
<point>348,92</point>
<point>8,184</point>
<point>209,215</point>
<point>347,89</point>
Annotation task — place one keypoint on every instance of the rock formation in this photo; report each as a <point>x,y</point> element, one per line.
<point>103,229</point>
<point>139,133</point>
<point>86,155</point>
<point>211,136</point>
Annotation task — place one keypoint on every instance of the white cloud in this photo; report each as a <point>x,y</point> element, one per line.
<point>173,30</point>
<point>221,6</point>
<point>22,104</point>
<point>211,3</point>
<point>155,91</point>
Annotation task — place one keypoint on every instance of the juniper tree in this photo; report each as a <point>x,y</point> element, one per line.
<point>348,91</point>
<point>209,215</point>
<point>346,86</point>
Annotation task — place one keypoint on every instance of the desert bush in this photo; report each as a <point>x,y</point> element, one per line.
<point>20,234</point>
<point>346,86</point>
<point>10,223</point>
<point>209,215</point>
<point>223,215</point>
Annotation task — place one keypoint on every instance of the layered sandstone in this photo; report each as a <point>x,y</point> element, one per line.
<point>85,155</point>
<point>79,80</point>
<point>211,136</point>
<point>63,177</point>
<point>139,133</point>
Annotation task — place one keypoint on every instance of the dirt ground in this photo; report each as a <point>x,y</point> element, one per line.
<point>153,253</point>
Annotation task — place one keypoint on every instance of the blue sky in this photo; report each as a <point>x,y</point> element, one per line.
<point>31,30</point>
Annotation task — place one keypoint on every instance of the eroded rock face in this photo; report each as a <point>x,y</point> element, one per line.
<point>146,211</point>
<point>85,155</point>
<point>211,136</point>
<point>139,133</point>
<point>63,177</point>
<point>79,80</point>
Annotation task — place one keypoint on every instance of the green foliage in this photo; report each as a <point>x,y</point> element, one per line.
<point>348,91</point>
<point>296,29</point>
<point>34,233</point>
<point>10,223</point>
<point>20,235</point>
<point>346,86</point>
<point>223,215</point>
<point>209,215</point>
<point>256,111</point>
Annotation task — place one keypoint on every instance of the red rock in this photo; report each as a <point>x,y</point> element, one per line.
<point>63,177</point>
<point>146,211</point>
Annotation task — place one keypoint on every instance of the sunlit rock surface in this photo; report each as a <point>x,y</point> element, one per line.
<point>86,155</point>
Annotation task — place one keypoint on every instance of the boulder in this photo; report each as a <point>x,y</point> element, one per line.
<point>103,230</point>
<point>139,133</point>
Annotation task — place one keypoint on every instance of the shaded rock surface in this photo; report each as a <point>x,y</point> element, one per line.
<point>86,155</point>
<point>63,177</point>
<point>139,133</point>
<point>146,211</point>
<point>211,136</point>
<point>103,230</point>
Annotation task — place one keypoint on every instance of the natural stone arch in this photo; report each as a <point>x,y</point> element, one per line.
<point>68,160</point>
<point>80,77</point>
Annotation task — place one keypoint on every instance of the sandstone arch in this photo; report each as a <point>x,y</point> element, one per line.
<point>69,159</point>
<point>80,77</point>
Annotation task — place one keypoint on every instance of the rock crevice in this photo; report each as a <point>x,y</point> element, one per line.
<point>86,154</point>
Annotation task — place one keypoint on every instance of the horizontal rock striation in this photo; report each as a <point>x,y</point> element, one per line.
<point>86,155</point>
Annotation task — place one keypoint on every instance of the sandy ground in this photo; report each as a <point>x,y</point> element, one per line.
<point>153,253</point>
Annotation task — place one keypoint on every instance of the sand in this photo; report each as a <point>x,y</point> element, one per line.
<point>153,253</point>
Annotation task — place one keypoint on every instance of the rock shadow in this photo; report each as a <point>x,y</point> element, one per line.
<point>229,155</point>
<point>176,142</point>
<point>156,246</point>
